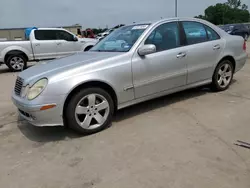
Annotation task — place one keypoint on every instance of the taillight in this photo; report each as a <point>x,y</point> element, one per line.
<point>245,46</point>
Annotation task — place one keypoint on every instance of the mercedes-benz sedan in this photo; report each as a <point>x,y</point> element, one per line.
<point>134,63</point>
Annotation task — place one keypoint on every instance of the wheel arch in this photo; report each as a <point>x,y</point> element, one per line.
<point>94,83</point>
<point>228,57</point>
<point>15,52</point>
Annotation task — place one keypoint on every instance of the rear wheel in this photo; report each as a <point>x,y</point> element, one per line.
<point>89,111</point>
<point>16,62</point>
<point>223,75</point>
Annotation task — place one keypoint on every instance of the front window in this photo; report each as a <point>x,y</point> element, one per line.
<point>63,35</point>
<point>120,40</point>
<point>165,37</point>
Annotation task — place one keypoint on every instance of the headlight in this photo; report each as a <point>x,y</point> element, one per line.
<point>37,89</point>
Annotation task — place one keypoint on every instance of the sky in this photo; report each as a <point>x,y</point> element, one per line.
<point>95,13</point>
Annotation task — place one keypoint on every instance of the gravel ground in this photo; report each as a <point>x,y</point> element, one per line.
<point>178,141</point>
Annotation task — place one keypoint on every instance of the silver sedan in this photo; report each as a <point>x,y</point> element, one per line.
<point>134,63</point>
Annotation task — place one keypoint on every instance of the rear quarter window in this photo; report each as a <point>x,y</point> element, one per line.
<point>195,32</point>
<point>211,34</point>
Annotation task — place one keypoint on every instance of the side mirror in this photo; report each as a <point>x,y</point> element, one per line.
<point>75,39</point>
<point>147,49</point>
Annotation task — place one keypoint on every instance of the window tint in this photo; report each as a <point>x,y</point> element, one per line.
<point>45,35</point>
<point>212,35</point>
<point>63,35</point>
<point>195,32</point>
<point>165,37</point>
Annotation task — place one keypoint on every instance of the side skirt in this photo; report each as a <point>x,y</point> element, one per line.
<point>163,93</point>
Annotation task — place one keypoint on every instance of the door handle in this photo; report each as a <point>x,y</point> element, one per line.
<point>58,43</point>
<point>181,55</point>
<point>37,45</point>
<point>216,47</point>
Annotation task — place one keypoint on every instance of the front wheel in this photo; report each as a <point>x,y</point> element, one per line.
<point>16,62</point>
<point>223,76</point>
<point>89,111</point>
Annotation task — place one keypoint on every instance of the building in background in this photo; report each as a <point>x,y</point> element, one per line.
<point>19,33</point>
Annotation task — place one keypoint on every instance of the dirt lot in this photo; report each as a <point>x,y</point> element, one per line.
<point>185,140</point>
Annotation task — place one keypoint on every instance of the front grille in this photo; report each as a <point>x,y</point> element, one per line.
<point>18,86</point>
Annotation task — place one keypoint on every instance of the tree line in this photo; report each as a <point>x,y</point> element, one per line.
<point>233,11</point>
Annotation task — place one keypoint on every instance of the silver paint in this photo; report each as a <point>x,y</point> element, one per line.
<point>134,78</point>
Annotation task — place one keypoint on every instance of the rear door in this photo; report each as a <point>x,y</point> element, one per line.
<point>66,43</point>
<point>44,44</point>
<point>203,48</point>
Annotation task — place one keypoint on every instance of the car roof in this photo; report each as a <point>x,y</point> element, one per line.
<point>51,29</point>
<point>167,19</point>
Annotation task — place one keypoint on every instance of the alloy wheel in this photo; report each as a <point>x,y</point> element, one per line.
<point>224,76</point>
<point>92,111</point>
<point>17,63</point>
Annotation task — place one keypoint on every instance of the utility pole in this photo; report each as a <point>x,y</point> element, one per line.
<point>176,8</point>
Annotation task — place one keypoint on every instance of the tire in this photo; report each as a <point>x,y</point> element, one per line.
<point>84,113</point>
<point>88,48</point>
<point>223,76</point>
<point>16,62</point>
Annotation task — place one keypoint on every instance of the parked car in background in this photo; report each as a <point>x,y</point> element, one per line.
<point>133,64</point>
<point>248,26</point>
<point>237,29</point>
<point>88,33</point>
<point>43,43</point>
<point>100,36</point>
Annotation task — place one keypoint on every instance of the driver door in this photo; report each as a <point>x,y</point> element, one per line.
<point>166,68</point>
<point>66,43</point>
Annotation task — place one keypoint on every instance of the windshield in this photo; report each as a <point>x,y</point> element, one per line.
<point>120,40</point>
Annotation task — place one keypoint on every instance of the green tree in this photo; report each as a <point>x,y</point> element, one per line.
<point>224,13</point>
<point>234,3</point>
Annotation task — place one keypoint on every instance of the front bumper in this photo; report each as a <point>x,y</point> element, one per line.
<point>30,110</point>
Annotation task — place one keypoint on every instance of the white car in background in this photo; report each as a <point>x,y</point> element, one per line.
<point>43,44</point>
<point>104,34</point>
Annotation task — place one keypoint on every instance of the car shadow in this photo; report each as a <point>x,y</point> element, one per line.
<point>5,69</point>
<point>46,134</point>
<point>164,101</point>
<point>51,134</point>
<point>58,133</point>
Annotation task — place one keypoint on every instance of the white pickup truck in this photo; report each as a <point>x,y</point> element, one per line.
<point>43,44</point>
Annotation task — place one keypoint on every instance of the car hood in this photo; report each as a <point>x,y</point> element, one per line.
<point>50,68</point>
